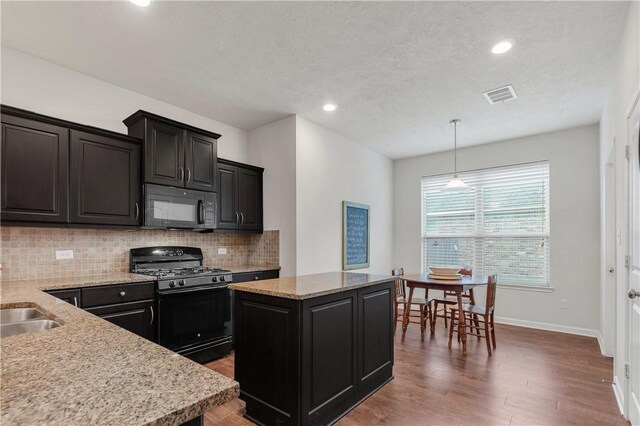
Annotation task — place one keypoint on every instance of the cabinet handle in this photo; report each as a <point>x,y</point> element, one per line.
<point>241,219</point>
<point>237,219</point>
<point>188,174</point>
<point>122,293</point>
<point>181,174</point>
<point>256,278</point>
<point>75,301</point>
<point>151,307</point>
<point>137,211</point>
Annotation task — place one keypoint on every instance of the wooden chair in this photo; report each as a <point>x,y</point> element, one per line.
<point>474,314</point>
<point>448,300</point>
<point>422,313</point>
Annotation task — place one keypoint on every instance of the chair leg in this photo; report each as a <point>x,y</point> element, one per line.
<point>451,331</point>
<point>487,335</point>
<point>395,316</point>
<point>493,332</point>
<point>444,311</point>
<point>423,324</point>
<point>477,324</point>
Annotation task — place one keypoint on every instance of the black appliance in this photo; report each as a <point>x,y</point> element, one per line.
<point>169,207</point>
<point>194,302</point>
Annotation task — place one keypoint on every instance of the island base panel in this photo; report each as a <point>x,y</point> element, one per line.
<point>311,361</point>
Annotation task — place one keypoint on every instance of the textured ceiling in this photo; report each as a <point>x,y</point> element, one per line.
<point>397,71</point>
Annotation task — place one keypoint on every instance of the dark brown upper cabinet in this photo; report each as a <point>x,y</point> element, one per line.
<point>105,180</point>
<point>175,154</point>
<point>35,170</point>
<point>56,171</point>
<point>239,196</point>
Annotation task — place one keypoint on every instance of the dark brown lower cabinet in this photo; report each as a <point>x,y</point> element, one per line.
<point>131,306</point>
<point>256,276</point>
<point>309,362</point>
<point>72,296</point>
<point>137,317</point>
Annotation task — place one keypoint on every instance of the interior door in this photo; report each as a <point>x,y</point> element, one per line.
<point>633,326</point>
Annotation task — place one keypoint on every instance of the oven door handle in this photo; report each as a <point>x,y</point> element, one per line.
<point>193,290</point>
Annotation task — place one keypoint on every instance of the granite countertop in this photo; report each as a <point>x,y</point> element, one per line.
<point>89,371</point>
<point>309,286</point>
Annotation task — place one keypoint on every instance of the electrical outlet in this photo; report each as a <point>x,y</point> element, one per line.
<point>64,254</point>
<point>222,250</point>
<point>564,304</point>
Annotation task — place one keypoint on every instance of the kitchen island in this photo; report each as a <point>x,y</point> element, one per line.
<point>309,349</point>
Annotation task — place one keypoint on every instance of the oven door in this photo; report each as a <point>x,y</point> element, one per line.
<point>193,316</point>
<point>169,207</point>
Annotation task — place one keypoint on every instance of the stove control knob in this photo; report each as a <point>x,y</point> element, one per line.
<point>181,282</point>
<point>172,284</point>
<point>214,279</point>
<point>221,277</point>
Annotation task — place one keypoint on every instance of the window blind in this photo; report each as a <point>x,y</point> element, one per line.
<point>499,226</point>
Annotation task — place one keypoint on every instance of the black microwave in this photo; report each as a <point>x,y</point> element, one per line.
<point>170,207</point>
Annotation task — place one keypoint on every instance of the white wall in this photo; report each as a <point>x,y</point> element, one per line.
<point>624,87</point>
<point>574,216</point>
<point>273,147</point>
<point>46,88</point>
<point>330,169</point>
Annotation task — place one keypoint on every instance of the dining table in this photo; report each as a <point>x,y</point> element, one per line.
<point>459,286</point>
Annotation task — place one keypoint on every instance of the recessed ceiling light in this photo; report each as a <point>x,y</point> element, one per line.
<point>329,107</point>
<point>501,47</point>
<point>143,3</point>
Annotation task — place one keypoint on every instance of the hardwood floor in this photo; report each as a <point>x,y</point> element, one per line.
<point>534,378</point>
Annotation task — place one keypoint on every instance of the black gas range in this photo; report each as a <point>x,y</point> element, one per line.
<point>194,301</point>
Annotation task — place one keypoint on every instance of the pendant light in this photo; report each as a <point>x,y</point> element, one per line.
<point>455,184</point>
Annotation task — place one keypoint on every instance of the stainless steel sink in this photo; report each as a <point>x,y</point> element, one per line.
<point>9,316</point>
<point>34,326</point>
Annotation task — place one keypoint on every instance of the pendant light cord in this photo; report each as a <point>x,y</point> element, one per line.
<point>455,149</point>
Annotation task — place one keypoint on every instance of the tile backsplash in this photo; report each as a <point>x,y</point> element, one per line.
<point>31,252</point>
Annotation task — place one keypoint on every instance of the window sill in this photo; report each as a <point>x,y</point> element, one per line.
<point>526,288</point>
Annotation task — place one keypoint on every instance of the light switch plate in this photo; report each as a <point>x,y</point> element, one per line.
<point>564,304</point>
<point>64,254</point>
<point>222,250</point>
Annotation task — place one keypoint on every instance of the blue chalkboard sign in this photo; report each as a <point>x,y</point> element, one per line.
<point>355,236</point>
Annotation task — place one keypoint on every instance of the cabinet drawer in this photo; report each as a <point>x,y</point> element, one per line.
<point>255,276</point>
<point>120,293</point>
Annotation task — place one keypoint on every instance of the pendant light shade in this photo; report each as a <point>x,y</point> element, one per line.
<point>455,184</point>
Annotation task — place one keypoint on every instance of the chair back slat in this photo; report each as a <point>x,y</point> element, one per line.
<point>465,272</point>
<point>399,283</point>
<point>491,293</point>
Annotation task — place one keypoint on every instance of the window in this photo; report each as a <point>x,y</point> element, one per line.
<point>499,226</point>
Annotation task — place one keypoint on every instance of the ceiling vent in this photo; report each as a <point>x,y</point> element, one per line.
<point>501,94</point>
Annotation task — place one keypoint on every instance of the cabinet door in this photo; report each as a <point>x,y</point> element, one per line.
<point>200,162</point>
<point>35,171</point>
<point>375,336</point>
<point>250,199</point>
<point>329,354</point>
<point>228,216</point>
<point>105,182</point>
<point>71,296</point>
<point>137,317</point>
<point>164,154</point>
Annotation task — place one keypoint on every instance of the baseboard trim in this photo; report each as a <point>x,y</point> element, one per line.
<point>617,391</point>
<point>549,327</point>
<point>601,344</point>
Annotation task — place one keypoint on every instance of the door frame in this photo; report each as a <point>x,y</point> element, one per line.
<point>607,339</point>
<point>632,123</point>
